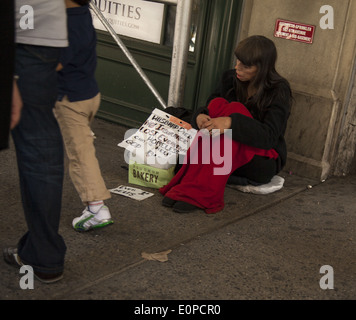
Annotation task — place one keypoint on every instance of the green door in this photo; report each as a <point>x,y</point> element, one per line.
<point>127,100</point>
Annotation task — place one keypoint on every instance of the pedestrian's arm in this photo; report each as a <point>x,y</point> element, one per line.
<point>59,67</point>
<point>16,106</point>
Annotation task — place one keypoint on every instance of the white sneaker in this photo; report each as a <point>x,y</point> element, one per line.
<point>89,220</point>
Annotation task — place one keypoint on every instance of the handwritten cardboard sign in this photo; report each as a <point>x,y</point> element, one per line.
<point>159,141</point>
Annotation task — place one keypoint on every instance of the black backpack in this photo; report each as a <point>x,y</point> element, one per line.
<point>181,113</point>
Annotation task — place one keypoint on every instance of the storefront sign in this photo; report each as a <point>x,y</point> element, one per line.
<point>294,31</point>
<point>132,18</point>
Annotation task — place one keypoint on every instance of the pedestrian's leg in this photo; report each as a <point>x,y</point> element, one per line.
<point>74,119</point>
<point>39,152</point>
<point>84,168</point>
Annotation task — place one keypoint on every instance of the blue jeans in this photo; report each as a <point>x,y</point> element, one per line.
<point>39,150</point>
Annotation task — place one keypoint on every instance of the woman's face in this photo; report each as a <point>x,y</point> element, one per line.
<point>245,73</point>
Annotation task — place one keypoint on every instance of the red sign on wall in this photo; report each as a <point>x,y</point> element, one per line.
<point>294,31</point>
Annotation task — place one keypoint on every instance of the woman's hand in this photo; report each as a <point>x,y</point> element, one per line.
<point>220,124</point>
<point>201,120</point>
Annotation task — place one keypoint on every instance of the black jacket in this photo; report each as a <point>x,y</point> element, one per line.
<point>265,133</point>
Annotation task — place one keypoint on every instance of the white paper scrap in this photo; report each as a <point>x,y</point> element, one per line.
<point>132,193</point>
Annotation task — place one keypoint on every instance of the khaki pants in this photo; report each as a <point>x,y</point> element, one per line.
<point>74,119</point>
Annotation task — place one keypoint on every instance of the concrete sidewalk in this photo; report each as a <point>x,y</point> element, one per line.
<point>259,247</point>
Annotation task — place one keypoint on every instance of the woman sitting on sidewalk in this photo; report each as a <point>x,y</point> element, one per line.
<point>254,101</point>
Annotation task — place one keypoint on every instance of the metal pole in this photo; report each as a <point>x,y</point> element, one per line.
<point>127,53</point>
<point>180,52</point>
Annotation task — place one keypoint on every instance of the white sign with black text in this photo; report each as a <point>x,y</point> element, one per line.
<point>132,193</point>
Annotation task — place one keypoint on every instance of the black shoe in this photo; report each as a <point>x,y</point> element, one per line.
<point>48,277</point>
<point>168,202</point>
<point>183,207</point>
<point>12,258</point>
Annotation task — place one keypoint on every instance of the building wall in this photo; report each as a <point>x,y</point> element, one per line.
<point>320,75</point>
<point>345,162</point>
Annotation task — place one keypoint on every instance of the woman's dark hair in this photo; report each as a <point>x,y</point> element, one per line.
<point>261,52</point>
<point>82,2</point>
